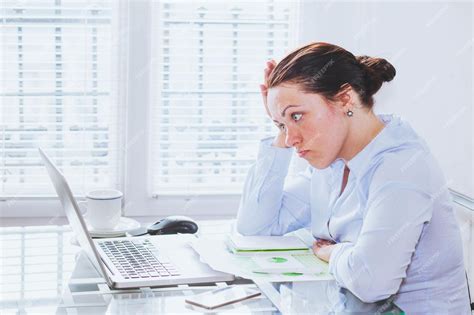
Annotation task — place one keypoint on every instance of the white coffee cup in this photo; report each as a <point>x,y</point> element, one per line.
<point>104,208</point>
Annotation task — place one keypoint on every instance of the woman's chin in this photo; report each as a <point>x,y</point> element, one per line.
<point>318,163</point>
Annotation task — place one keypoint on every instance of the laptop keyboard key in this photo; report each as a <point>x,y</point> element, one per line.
<point>135,259</point>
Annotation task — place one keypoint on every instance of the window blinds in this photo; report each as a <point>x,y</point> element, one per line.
<point>57,65</point>
<point>207,113</point>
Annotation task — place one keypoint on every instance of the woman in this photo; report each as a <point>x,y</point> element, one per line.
<point>373,195</point>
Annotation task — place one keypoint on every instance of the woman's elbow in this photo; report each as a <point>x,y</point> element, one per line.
<point>248,222</point>
<point>371,297</point>
<point>249,229</point>
<point>244,229</point>
<point>376,291</point>
<point>245,226</point>
<point>243,223</point>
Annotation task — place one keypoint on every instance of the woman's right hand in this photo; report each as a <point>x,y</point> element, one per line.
<point>280,138</point>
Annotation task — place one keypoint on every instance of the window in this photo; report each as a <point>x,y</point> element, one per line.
<point>207,113</point>
<point>58,70</point>
<point>155,98</point>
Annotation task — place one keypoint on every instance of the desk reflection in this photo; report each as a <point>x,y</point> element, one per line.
<point>36,263</point>
<point>43,272</point>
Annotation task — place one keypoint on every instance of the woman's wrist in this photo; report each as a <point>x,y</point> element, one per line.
<point>279,141</point>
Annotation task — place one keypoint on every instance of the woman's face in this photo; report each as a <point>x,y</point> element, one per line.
<point>316,128</point>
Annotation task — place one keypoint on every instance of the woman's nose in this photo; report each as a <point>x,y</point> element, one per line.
<point>292,138</point>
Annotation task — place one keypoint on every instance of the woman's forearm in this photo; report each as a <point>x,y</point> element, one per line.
<point>266,208</point>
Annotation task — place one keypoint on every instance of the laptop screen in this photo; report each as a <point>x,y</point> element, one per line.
<point>73,213</point>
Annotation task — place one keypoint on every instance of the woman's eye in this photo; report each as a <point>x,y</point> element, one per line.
<point>282,127</point>
<point>296,116</point>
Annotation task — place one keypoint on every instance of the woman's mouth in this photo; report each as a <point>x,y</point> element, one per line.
<point>302,153</point>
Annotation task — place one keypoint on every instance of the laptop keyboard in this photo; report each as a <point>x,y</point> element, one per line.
<point>134,259</point>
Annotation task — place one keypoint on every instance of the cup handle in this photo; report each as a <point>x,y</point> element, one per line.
<point>83,207</point>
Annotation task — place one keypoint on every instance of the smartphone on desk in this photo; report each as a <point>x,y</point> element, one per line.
<point>223,296</point>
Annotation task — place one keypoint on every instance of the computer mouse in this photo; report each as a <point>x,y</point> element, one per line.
<point>173,225</point>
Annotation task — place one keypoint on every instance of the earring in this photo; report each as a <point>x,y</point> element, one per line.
<point>350,113</point>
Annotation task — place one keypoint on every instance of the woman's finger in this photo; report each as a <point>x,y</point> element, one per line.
<point>264,92</point>
<point>263,87</point>
<point>270,66</point>
<point>266,72</point>
<point>322,242</point>
<point>271,62</point>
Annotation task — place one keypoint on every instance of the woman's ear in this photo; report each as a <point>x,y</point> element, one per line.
<point>345,97</point>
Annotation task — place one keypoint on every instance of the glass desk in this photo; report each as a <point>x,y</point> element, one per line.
<point>42,272</point>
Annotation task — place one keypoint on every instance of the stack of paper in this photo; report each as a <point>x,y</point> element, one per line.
<point>271,267</point>
<point>251,245</point>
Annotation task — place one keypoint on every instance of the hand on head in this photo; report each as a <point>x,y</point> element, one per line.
<point>271,64</point>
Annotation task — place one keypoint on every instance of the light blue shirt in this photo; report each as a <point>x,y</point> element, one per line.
<point>394,224</point>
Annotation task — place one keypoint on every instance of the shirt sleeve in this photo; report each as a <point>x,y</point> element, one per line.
<point>268,206</point>
<point>374,267</point>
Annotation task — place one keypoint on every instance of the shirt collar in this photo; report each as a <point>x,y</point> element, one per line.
<point>395,134</point>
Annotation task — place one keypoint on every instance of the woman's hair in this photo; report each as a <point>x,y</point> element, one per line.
<point>323,68</point>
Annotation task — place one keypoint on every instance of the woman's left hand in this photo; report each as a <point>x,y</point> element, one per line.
<point>323,249</point>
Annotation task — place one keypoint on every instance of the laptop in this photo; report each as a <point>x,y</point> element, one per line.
<point>132,262</point>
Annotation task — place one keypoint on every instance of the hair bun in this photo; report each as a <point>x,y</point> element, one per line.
<point>322,68</point>
<point>378,71</point>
